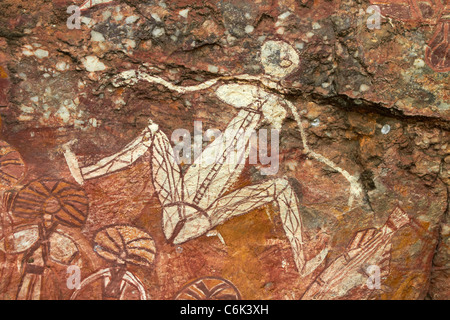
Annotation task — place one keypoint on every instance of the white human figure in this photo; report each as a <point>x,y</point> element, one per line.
<point>196,202</point>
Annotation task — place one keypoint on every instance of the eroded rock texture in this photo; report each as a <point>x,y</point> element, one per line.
<point>359,205</point>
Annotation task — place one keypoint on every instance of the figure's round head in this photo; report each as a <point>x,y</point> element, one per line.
<point>279,59</point>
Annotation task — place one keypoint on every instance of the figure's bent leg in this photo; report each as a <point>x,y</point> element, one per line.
<point>249,198</point>
<point>166,172</point>
<point>183,222</point>
<point>168,183</point>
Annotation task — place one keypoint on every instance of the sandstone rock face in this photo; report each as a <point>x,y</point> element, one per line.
<point>128,171</point>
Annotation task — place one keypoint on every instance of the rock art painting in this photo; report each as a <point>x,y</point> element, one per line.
<point>368,247</point>
<point>197,201</point>
<point>436,13</point>
<point>48,203</point>
<point>121,245</point>
<point>224,150</point>
<point>12,166</point>
<point>209,288</point>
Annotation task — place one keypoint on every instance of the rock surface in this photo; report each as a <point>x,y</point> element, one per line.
<point>374,101</point>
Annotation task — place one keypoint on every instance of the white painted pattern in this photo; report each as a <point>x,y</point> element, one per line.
<point>194,203</point>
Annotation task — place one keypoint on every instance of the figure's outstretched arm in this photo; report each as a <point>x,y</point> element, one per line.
<point>355,186</point>
<point>249,198</point>
<point>131,77</point>
<point>124,158</point>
